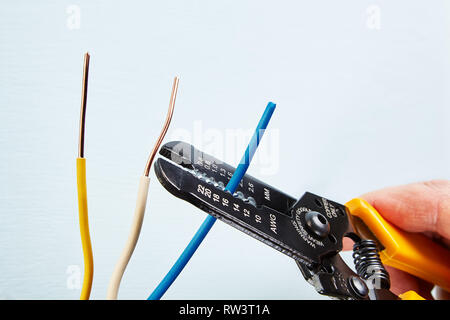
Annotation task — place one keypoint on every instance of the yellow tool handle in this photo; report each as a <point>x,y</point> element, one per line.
<point>410,295</point>
<point>413,253</point>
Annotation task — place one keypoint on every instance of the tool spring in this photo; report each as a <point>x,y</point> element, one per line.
<point>368,264</point>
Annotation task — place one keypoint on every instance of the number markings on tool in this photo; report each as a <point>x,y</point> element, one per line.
<point>240,210</point>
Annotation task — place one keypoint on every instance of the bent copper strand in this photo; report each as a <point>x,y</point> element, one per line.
<point>173,97</point>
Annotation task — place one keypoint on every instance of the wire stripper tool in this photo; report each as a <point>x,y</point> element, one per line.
<point>309,229</point>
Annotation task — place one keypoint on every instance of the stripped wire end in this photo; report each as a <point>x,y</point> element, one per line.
<point>173,97</point>
<point>84,91</point>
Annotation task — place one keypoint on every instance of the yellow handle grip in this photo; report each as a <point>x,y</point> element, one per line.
<point>410,295</point>
<point>413,253</point>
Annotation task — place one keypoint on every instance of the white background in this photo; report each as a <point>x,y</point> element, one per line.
<point>357,109</point>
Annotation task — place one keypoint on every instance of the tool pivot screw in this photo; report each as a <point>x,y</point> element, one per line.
<point>317,223</point>
<point>358,286</point>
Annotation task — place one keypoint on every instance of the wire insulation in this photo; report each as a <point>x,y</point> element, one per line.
<point>209,221</point>
<point>84,230</point>
<point>132,240</point>
<point>139,212</point>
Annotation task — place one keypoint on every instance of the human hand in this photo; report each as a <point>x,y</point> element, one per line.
<point>419,207</point>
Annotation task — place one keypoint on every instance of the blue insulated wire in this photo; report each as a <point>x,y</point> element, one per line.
<point>210,220</point>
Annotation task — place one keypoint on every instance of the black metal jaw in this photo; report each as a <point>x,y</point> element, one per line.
<point>309,230</point>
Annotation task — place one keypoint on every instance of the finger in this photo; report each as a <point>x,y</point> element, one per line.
<point>347,244</point>
<point>402,282</point>
<point>441,294</point>
<point>417,207</point>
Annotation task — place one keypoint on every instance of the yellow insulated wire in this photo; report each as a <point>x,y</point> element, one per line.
<point>82,194</point>
<point>84,230</point>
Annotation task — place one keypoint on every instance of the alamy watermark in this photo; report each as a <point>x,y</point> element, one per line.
<point>73,281</point>
<point>73,21</point>
<point>373,17</point>
<point>228,145</point>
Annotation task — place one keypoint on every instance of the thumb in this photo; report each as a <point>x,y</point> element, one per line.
<point>417,207</point>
